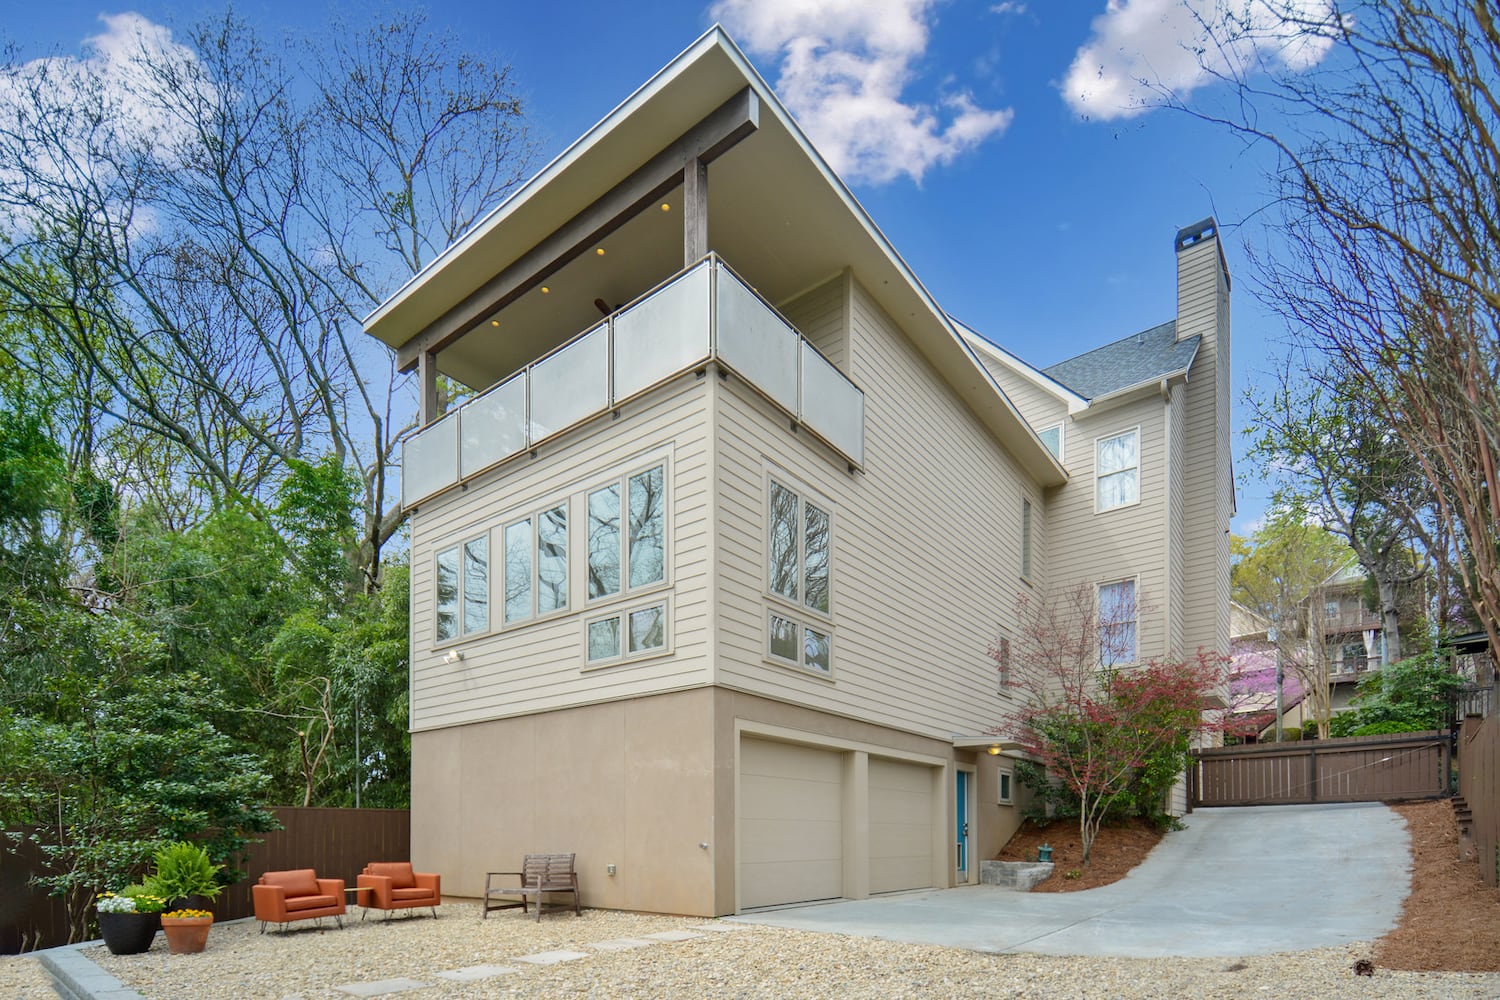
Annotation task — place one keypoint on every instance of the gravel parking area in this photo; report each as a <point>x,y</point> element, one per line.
<point>747,961</point>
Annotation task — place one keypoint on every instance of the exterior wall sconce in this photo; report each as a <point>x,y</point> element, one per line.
<point>452,656</point>
<point>993,750</point>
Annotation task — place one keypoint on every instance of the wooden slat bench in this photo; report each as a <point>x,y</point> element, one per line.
<point>539,873</point>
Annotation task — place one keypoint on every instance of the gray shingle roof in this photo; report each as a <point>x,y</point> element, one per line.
<point>1141,357</point>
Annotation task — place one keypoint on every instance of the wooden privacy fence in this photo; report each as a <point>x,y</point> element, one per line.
<point>337,842</point>
<point>1479,784</point>
<point>1354,769</point>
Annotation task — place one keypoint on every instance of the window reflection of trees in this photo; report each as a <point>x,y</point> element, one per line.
<point>604,542</point>
<point>552,560</point>
<point>783,564</point>
<point>476,585</point>
<point>447,594</point>
<point>518,571</point>
<point>647,525</point>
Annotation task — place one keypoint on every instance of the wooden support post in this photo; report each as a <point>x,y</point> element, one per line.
<point>427,387</point>
<point>694,211</point>
<point>1312,773</point>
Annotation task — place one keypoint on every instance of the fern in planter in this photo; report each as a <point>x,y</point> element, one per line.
<point>184,869</point>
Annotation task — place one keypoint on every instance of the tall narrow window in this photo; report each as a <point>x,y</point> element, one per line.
<point>477,585</point>
<point>552,560</point>
<point>783,542</point>
<point>518,552</point>
<point>647,524</point>
<point>1117,471</point>
<point>604,542</point>
<point>1118,613</point>
<point>1026,539</point>
<point>627,533</point>
<point>447,594</point>
<point>815,555</point>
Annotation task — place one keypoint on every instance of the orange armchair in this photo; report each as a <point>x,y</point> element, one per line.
<point>394,886</point>
<point>281,897</point>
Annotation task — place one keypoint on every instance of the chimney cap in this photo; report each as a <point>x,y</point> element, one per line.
<point>1196,233</point>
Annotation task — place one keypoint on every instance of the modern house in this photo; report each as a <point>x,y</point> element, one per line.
<point>706,575</point>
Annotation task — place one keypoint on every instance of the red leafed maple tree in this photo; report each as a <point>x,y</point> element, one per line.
<point>1094,717</point>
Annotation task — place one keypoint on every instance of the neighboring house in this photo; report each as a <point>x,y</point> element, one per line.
<point>704,590</point>
<point>1353,634</point>
<point>1254,665</point>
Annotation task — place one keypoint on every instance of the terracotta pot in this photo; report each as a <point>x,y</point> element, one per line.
<point>128,933</point>
<point>186,935</point>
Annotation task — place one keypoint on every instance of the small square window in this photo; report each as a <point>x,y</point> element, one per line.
<point>604,639</point>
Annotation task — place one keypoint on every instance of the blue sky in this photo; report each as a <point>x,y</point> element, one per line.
<point>1002,146</point>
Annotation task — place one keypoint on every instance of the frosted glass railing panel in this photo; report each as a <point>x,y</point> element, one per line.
<point>832,406</point>
<point>756,343</point>
<point>570,385</point>
<point>429,460</point>
<point>663,334</point>
<point>492,427</point>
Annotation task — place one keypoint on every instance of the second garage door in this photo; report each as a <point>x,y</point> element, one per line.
<point>791,823</point>
<point>901,817</point>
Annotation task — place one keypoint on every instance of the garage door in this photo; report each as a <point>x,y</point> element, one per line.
<point>901,818</point>
<point>791,823</point>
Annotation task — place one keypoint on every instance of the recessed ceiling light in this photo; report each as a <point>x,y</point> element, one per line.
<point>599,251</point>
<point>666,207</point>
<point>494,322</point>
<point>545,289</point>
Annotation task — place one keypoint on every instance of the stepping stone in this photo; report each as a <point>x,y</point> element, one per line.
<point>620,944</point>
<point>552,957</point>
<point>380,987</point>
<point>474,973</point>
<point>720,927</point>
<point>674,935</point>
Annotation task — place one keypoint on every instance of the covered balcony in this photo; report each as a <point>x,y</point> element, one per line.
<point>704,314</point>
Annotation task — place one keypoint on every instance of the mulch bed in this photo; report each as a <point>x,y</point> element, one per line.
<point>1117,850</point>
<point>1451,920</point>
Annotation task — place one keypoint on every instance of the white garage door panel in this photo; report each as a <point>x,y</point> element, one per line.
<point>901,818</point>
<point>791,823</point>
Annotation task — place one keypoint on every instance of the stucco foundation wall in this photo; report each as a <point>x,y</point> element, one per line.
<point>628,783</point>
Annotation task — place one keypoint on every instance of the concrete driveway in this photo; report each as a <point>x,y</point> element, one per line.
<point>1235,882</point>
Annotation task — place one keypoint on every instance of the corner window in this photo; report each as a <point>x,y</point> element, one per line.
<point>1118,613</point>
<point>1117,471</point>
<point>463,589</point>
<point>1331,610</point>
<point>635,632</point>
<point>536,564</point>
<point>800,645</point>
<point>798,566</point>
<point>1052,437</point>
<point>627,532</point>
<point>1004,778</point>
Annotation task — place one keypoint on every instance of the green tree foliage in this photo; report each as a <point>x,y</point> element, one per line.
<point>101,793</point>
<point>1413,695</point>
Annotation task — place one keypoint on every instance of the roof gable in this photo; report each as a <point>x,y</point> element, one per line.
<point>1139,359</point>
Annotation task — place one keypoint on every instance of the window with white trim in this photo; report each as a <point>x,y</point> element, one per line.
<point>1117,471</point>
<point>1052,437</point>
<point>463,589</point>
<point>627,534</point>
<point>625,634</point>
<point>1118,614</point>
<point>798,572</point>
<point>536,564</point>
<point>1004,779</point>
<point>798,565</point>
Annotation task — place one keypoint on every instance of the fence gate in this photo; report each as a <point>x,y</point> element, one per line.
<point>1354,769</point>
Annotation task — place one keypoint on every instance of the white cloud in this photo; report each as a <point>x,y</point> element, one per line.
<point>76,120</point>
<point>1008,7</point>
<point>1141,47</point>
<point>844,67</point>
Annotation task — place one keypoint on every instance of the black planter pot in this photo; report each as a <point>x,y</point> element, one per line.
<point>128,933</point>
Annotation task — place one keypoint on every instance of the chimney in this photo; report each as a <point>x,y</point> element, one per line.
<point>1200,269</point>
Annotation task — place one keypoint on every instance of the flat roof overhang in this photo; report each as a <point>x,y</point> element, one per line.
<point>777,214</point>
